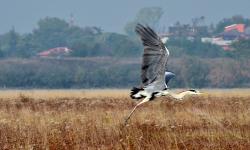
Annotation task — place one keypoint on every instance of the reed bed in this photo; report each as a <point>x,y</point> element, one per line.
<point>83,120</point>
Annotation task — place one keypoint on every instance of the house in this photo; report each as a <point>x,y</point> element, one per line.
<point>231,35</point>
<point>235,32</point>
<point>237,27</point>
<point>225,44</point>
<point>187,30</point>
<point>55,52</point>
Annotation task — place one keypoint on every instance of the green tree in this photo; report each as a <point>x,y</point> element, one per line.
<point>106,44</point>
<point>148,16</point>
<point>242,48</point>
<point>26,47</point>
<point>130,28</point>
<point>182,46</point>
<point>51,32</point>
<point>119,45</point>
<point>9,43</point>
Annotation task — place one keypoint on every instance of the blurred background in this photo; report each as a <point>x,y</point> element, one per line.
<point>92,44</point>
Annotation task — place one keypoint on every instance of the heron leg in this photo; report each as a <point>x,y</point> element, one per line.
<point>143,101</point>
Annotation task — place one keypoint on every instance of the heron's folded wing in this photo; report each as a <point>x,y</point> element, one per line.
<point>154,57</point>
<point>168,76</point>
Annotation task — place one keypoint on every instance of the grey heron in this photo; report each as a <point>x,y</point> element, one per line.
<point>154,77</point>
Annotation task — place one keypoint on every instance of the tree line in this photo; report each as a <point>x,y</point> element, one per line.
<point>104,59</point>
<point>55,32</point>
<point>93,41</point>
<point>121,73</point>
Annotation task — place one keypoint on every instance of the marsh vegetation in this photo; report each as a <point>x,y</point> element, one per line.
<point>63,119</point>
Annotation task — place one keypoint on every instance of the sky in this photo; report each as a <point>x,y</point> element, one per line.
<point>112,15</point>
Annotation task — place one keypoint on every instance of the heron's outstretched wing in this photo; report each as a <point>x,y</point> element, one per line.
<point>154,57</point>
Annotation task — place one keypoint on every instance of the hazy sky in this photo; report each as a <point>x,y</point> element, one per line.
<point>112,15</point>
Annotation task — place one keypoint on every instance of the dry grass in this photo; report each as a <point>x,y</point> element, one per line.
<point>52,94</point>
<point>78,120</point>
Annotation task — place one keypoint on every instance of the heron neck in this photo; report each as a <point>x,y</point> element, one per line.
<point>180,95</point>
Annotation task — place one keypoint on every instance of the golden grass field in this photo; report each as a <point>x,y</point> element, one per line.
<point>93,119</point>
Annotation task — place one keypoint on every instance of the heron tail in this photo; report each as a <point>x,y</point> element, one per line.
<point>134,94</point>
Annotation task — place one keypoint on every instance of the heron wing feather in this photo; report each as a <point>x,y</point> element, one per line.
<point>154,57</point>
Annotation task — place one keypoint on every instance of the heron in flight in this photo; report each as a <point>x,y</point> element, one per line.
<point>154,77</point>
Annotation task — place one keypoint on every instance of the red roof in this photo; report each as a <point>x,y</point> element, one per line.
<point>238,27</point>
<point>58,51</point>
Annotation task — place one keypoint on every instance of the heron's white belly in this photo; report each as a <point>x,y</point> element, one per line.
<point>162,93</point>
<point>146,93</point>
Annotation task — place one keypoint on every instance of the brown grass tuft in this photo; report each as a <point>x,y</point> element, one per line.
<point>70,122</point>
